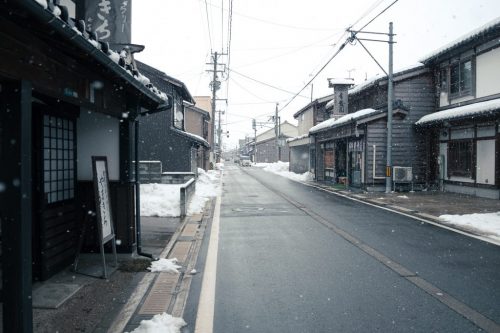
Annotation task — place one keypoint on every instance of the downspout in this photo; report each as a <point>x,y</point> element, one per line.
<point>138,194</point>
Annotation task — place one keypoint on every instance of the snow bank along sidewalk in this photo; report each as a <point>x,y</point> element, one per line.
<point>487,224</point>
<point>281,169</point>
<point>162,200</point>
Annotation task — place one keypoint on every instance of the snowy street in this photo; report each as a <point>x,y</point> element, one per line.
<point>292,258</point>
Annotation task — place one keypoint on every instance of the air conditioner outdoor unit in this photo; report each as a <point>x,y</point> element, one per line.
<point>402,174</point>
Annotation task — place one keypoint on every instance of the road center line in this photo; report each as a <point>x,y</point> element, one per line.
<point>206,304</point>
<point>454,304</point>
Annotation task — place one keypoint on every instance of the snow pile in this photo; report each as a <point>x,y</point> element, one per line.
<point>160,200</point>
<point>281,169</point>
<point>164,323</point>
<point>487,223</point>
<point>164,265</point>
<point>207,186</point>
<point>164,199</point>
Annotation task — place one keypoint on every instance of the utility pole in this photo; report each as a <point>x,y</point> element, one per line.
<point>219,132</point>
<point>390,97</point>
<point>254,125</point>
<point>388,182</point>
<point>277,132</point>
<point>215,85</point>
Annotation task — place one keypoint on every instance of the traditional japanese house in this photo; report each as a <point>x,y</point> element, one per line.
<point>464,150</point>
<point>64,97</point>
<point>163,135</point>
<point>301,151</point>
<point>197,122</point>
<point>351,148</point>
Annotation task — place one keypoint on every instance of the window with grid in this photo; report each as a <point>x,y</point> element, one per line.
<point>461,78</point>
<point>58,159</point>
<point>178,115</point>
<point>460,158</point>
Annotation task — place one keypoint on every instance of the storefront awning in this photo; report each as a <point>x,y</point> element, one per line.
<point>481,110</point>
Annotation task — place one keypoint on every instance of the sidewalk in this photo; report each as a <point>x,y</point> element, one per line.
<point>428,205</point>
<point>72,302</point>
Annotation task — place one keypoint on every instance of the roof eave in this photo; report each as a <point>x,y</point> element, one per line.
<point>60,27</point>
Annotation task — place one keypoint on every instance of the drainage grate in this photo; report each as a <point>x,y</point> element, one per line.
<point>160,295</point>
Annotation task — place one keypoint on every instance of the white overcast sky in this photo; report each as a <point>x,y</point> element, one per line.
<point>284,42</point>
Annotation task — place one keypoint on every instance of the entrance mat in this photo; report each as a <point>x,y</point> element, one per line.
<point>53,295</point>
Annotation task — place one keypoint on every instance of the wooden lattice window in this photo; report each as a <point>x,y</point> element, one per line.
<point>58,158</point>
<point>460,158</point>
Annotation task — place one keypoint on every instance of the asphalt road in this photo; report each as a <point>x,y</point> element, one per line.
<point>292,258</point>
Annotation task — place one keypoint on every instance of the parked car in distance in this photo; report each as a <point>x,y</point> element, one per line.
<point>245,161</point>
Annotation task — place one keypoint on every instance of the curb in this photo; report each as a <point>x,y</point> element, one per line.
<point>424,217</point>
<point>143,287</point>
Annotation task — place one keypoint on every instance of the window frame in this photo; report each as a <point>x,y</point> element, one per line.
<point>58,158</point>
<point>460,169</point>
<point>178,124</point>
<point>448,71</point>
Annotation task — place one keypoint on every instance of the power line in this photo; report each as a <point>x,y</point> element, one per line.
<point>266,84</point>
<point>383,11</point>
<point>290,52</point>
<point>274,23</point>
<point>248,91</point>
<point>208,23</point>
<point>335,54</point>
<point>222,25</point>
<point>229,39</point>
<point>368,11</point>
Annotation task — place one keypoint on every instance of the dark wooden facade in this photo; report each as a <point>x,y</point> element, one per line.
<point>366,141</point>
<point>50,75</point>
<point>161,138</point>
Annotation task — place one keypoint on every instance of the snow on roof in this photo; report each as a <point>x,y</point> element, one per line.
<point>362,86</point>
<point>330,123</point>
<point>341,81</point>
<point>92,39</point>
<point>330,104</point>
<point>303,136</point>
<point>470,110</point>
<point>196,137</point>
<point>463,39</point>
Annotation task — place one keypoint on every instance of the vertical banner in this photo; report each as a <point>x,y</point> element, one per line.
<point>341,99</point>
<point>109,19</point>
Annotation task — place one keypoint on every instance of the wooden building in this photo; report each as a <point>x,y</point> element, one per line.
<point>464,149</point>
<point>197,122</point>
<point>351,148</point>
<point>300,146</point>
<point>64,97</point>
<point>163,135</point>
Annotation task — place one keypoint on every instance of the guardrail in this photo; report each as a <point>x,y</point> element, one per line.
<point>187,191</point>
